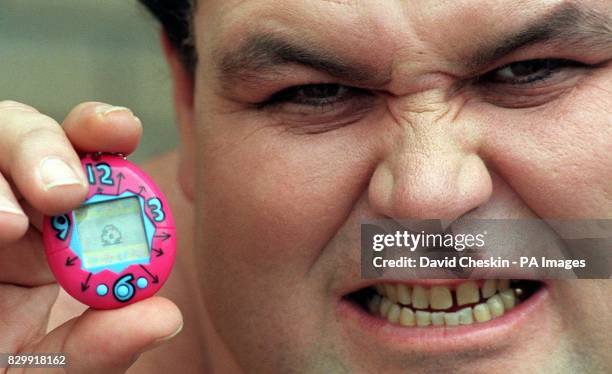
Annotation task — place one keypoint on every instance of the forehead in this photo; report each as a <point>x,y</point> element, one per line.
<point>367,21</point>
<point>393,38</point>
<point>386,35</point>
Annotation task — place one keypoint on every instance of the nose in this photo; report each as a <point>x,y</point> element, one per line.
<point>430,170</point>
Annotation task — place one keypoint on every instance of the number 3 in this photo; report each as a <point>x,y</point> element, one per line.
<point>156,209</point>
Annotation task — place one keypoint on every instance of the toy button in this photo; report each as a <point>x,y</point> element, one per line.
<point>142,282</point>
<point>101,290</point>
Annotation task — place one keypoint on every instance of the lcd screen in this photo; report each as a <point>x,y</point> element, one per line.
<point>111,233</point>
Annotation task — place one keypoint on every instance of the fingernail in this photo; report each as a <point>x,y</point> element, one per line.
<point>8,206</point>
<point>107,109</point>
<point>157,342</point>
<point>175,333</point>
<point>55,172</point>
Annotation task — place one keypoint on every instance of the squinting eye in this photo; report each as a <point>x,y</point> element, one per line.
<point>529,71</point>
<point>315,94</point>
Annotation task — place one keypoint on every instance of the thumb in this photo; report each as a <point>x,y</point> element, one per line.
<point>110,341</point>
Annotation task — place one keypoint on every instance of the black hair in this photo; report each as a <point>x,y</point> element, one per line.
<point>176,18</point>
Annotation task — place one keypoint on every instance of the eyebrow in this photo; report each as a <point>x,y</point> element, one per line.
<point>570,24</point>
<point>262,53</point>
<point>265,52</point>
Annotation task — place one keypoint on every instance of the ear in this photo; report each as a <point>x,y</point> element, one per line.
<point>183,94</point>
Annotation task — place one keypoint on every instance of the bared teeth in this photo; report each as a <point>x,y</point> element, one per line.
<point>391,292</point>
<point>508,298</point>
<point>503,284</point>
<point>489,288</point>
<point>407,317</point>
<point>420,297</point>
<point>496,306</point>
<point>403,294</point>
<point>385,304</point>
<point>374,304</point>
<point>423,318</point>
<point>416,305</point>
<point>466,316</point>
<point>467,293</point>
<point>440,298</point>
<point>482,313</point>
<point>437,318</point>
<point>393,315</point>
<point>451,319</point>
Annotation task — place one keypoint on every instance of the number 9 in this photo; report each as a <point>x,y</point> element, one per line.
<point>61,224</point>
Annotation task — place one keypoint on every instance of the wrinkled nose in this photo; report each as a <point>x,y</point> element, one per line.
<point>431,169</point>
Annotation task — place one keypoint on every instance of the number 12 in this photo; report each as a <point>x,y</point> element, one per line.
<point>105,173</point>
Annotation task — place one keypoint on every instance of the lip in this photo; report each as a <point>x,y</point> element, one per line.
<point>431,340</point>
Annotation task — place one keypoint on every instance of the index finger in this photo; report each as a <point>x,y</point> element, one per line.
<point>38,158</point>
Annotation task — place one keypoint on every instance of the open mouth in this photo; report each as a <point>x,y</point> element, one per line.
<point>465,303</point>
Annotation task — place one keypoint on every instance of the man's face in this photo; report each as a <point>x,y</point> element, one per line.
<point>311,115</point>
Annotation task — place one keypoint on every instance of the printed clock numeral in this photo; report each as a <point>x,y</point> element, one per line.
<point>61,224</point>
<point>105,173</point>
<point>156,208</point>
<point>124,290</point>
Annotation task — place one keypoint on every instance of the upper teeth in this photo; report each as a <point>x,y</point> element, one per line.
<point>392,302</point>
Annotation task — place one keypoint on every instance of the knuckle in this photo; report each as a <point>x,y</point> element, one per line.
<point>42,130</point>
<point>29,131</point>
<point>39,130</point>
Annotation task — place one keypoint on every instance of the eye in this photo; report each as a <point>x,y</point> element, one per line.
<point>531,83</point>
<point>529,71</point>
<point>315,95</point>
<point>320,107</point>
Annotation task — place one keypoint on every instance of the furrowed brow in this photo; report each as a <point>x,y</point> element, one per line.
<point>265,53</point>
<point>569,25</point>
<point>261,55</point>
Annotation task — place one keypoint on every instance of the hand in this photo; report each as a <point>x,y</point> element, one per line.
<point>40,173</point>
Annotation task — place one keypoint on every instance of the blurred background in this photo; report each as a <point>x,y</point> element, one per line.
<point>56,54</point>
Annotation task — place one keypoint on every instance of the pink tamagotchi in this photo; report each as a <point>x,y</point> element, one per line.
<point>119,246</point>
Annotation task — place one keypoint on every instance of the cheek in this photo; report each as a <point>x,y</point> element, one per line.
<point>268,203</point>
<point>557,158</point>
<point>271,200</point>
